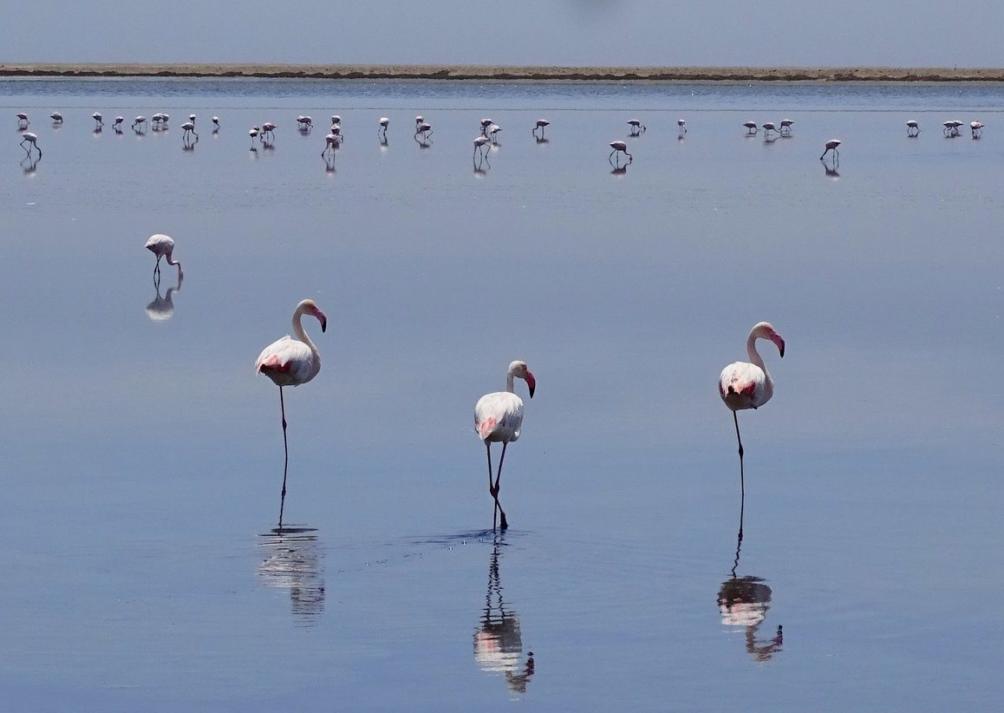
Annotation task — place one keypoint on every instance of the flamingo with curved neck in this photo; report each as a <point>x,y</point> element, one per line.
<point>291,362</point>
<point>745,385</point>
<point>163,247</point>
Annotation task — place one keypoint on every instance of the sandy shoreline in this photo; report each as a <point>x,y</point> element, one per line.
<point>485,72</point>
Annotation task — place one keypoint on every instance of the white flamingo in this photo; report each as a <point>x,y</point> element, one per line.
<point>98,122</point>
<point>480,142</point>
<point>636,126</point>
<point>829,146</point>
<point>140,122</point>
<point>56,117</point>
<point>253,133</point>
<point>786,125</point>
<point>216,123</point>
<point>485,124</point>
<point>681,125</point>
<point>22,120</point>
<point>384,123</point>
<point>267,130</point>
<point>163,247</point>
<point>747,384</point>
<point>912,127</point>
<point>117,123</point>
<point>619,147</point>
<point>493,133</point>
<point>291,362</point>
<point>768,127</point>
<point>498,418</point>
<point>305,123</point>
<point>751,128</point>
<point>335,119</point>
<point>31,139</point>
<point>189,128</point>
<point>540,125</point>
<point>977,128</point>
<point>331,142</point>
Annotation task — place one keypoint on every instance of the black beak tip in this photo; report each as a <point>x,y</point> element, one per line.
<point>324,326</point>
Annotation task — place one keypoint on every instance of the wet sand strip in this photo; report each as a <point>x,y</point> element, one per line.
<point>511,73</point>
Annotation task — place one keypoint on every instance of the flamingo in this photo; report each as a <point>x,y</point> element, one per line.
<point>977,128</point>
<point>681,125</point>
<point>253,133</point>
<point>786,125</point>
<point>268,128</point>
<point>305,123</point>
<point>424,129</point>
<point>418,121</point>
<point>479,144</point>
<point>744,385</point>
<point>191,118</point>
<point>831,145</point>
<point>493,132</point>
<point>619,147</point>
<point>498,418</point>
<point>330,143</point>
<point>541,125</point>
<point>56,117</point>
<point>751,128</point>
<point>98,123</point>
<point>912,127</point>
<point>117,124</point>
<point>384,123</point>
<point>189,128</point>
<point>216,123</point>
<point>335,119</point>
<point>485,124</point>
<point>164,118</point>
<point>291,362</point>
<point>163,247</point>
<point>29,138</point>
<point>768,126</point>
<point>636,126</point>
<point>22,120</point>
<point>139,121</point>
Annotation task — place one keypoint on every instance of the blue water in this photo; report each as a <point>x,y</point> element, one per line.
<point>143,457</point>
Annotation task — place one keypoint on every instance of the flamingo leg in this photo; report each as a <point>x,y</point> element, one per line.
<point>491,487</point>
<point>498,476</point>
<point>285,461</point>
<point>742,483</point>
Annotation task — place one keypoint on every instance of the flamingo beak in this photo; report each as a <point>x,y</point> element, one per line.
<point>776,338</point>
<point>322,318</point>
<point>531,382</point>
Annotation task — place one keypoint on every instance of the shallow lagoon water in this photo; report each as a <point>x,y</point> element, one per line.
<point>143,457</point>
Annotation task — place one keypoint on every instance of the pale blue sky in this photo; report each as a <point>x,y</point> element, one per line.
<point>571,32</point>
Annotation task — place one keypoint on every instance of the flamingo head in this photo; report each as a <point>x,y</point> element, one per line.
<point>310,307</point>
<point>520,370</point>
<point>765,330</point>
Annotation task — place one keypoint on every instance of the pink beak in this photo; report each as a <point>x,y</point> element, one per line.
<point>531,382</point>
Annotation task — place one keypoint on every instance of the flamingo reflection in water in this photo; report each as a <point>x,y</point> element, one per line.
<point>744,601</point>
<point>294,561</point>
<point>162,308</point>
<point>498,642</point>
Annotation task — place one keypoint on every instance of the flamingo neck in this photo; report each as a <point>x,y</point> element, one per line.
<point>754,355</point>
<point>300,333</point>
<point>509,382</point>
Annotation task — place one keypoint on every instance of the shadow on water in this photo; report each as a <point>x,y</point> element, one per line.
<point>294,561</point>
<point>744,602</point>
<point>29,164</point>
<point>162,308</point>
<point>498,641</point>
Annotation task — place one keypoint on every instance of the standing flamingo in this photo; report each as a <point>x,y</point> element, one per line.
<point>619,147</point>
<point>56,117</point>
<point>253,133</point>
<point>540,125</point>
<point>485,123</point>
<point>117,124</point>
<point>751,128</point>
<point>636,126</point>
<point>31,139</point>
<point>22,120</point>
<point>681,125</point>
<point>163,247</point>
<point>291,362</point>
<point>786,125</point>
<point>498,418</point>
<point>216,124</point>
<point>831,145</point>
<point>912,128</point>
<point>746,384</point>
<point>98,123</point>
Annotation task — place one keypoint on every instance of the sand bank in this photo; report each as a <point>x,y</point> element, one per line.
<point>485,72</point>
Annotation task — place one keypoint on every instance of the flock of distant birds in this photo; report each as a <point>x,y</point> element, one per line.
<point>488,137</point>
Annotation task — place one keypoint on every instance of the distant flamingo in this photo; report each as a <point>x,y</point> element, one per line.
<point>786,125</point>
<point>163,247</point>
<point>268,130</point>
<point>22,120</point>
<point>291,362</point>
<point>485,124</point>
<point>305,123</point>
<point>216,123</point>
<point>493,133</point>
<point>977,128</point>
<point>681,125</point>
<point>498,418</point>
<point>768,126</point>
<point>751,127</point>
<point>56,117</point>
<point>189,128</point>
<point>29,138</point>
<point>330,143</point>
<point>384,123</point>
<point>912,128</point>
<point>97,120</point>
<point>117,124</point>
<point>425,129</point>
<point>418,122</point>
<point>745,385</point>
<point>831,145</point>
<point>335,119</point>
<point>253,133</point>
<point>540,125</point>
<point>636,126</point>
<point>138,123</point>
<point>619,147</point>
<point>480,142</point>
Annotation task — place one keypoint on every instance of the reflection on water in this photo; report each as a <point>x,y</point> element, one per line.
<point>162,308</point>
<point>744,601</point>
<point>498,643</point>
<point>294,560</point>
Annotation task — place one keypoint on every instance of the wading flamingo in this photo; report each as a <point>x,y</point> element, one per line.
<point>117,124</point>
<point>291,362</point>
<point>498,418</point>
<point>912,128</point>
<point>56,117</point>
<point>751,128</point>
<point>98,123</point>
<point>384,123</point>
<point>216,123</point>
<point>636,126</point>
<point>163,247</point>
<point>619,147</point>
<point>977,128</point>
<point>29,138</point>
<point>786,125</point>
<point>22,120</point>
<point>746,384</point>
<point>831,145</point>
<point>540,126</point>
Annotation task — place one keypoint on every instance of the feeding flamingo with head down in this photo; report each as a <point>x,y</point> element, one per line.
<point>747,384</point>
<point>498,418</point>
<point>291,362</point>
<point>163,247</point>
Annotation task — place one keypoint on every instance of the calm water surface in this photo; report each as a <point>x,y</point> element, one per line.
<point>142,456</point>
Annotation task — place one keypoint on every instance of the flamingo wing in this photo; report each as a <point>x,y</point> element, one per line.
<point>499,416</point>
<point>743,385</point>
<point>287,361</point>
